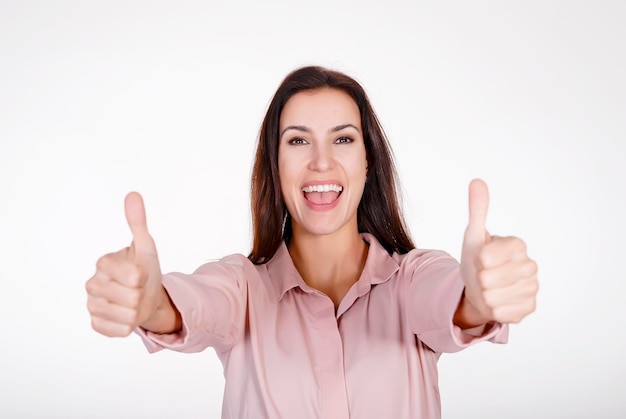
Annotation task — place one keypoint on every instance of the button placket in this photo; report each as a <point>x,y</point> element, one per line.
<point>330,358</point>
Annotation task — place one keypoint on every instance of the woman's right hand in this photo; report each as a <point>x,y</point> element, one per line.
<point>126,291</point>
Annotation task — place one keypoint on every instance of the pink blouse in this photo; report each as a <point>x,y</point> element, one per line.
<point>287,354</point>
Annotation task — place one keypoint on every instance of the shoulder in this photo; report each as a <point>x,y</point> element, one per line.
<point>420,256</point>
<point>414,257</point>
<point>233,265</point>
<point>407,264</point>
<point>425,260</point>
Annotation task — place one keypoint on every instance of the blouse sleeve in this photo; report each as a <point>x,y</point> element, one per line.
<point>212,304</point>
<point>435,290</point>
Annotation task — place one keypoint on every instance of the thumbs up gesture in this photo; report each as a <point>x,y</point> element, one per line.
<point>126,291</point>
<point>500,279</point>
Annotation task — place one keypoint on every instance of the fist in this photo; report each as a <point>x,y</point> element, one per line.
<point>126,289</point>
<point>500,279</point>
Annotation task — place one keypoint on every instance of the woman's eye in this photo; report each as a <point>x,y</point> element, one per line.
<point>297,141</point>
<point>343,140</point>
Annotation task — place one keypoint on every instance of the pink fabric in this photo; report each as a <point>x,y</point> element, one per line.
<point>286,354</point>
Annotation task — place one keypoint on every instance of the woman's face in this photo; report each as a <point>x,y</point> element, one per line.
<point>322,162</point>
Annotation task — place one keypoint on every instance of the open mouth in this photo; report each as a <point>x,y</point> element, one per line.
<point>322,194</point>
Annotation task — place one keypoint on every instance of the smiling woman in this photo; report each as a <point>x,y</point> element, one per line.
<point>378,212</point>
<point>333,299</point>
<point>320,153</point>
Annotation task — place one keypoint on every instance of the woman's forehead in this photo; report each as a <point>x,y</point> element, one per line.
<point>320,108</point>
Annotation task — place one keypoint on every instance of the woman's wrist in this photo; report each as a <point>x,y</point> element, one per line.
<point>166,319</point>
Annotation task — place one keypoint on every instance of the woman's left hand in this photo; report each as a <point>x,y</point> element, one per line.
<point>500,279</point>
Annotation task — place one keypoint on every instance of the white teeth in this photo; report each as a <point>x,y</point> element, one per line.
<point>322,188</point>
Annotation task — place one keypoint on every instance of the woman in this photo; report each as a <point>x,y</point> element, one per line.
<point>334,313</point>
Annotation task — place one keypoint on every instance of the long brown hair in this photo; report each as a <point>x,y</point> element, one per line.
<point>379,211</point>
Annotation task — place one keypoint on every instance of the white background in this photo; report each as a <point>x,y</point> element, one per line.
<point>100,98</point>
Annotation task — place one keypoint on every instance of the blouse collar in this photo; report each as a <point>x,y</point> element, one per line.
<point>379,267</point>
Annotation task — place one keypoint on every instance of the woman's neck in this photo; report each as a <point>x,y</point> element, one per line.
<point>330,263</point>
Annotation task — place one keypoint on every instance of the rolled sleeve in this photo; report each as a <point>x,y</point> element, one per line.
<point>434,293</point>
<point>211,302</point>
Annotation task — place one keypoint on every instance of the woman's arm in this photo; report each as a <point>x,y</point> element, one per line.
<point>210,305</point>
<point>128,293</point>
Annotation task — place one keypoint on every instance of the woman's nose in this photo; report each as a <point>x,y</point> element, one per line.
<point>321,158</point>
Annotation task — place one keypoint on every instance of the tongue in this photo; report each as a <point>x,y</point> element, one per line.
<point>321,197</point>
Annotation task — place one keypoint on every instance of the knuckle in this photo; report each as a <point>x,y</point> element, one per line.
<point>91,287</point>
<point>98,326</point>
<point>126,330</point>
<point>102,262</point>
<point>517,244</point>
<point>92,307</point>
<point>534,287</point>
<point>94,324</point>
<point>111,329</point>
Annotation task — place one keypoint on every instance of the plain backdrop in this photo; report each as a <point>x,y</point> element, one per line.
<point>166,98</point>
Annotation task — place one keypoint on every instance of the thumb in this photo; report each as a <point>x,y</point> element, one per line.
<point>136,218</point>
<point>478,205</point>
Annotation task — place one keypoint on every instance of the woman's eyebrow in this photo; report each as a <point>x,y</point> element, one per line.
<point>295,127</point>
<point>343,126</point>
<point>308,130</point>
